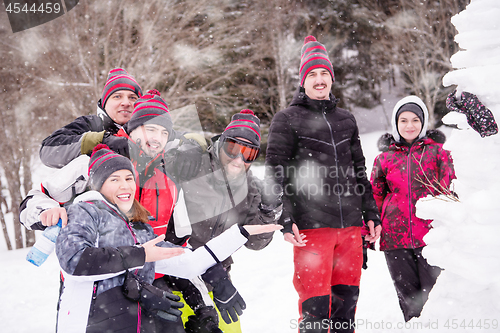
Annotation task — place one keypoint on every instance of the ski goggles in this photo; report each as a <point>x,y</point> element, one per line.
<point>234,148</point>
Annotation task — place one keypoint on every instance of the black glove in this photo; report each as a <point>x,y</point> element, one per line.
<point>271,193</point>
<point>366,245</point>
<point>205,320</point>
<point>160,302</point>
<point>154,300</point>
<point>118,144</point>
<point>188,161</point>
<point>226,297</point>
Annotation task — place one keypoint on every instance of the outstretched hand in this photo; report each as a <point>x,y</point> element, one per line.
<point>296,238</point>
<point>374,232</point>
<point>155,253</point>
<point>256,229</point>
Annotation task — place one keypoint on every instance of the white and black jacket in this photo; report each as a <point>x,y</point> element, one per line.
<point>64,145</point>
<point>96,249</point>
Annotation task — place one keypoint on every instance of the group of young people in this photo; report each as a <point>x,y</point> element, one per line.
<point>149,183</point>
<point>152,193</point>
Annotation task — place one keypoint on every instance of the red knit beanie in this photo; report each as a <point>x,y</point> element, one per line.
<point>103,163</point>
<point>119,79</point>
<point>313,55</point>
<point>244,124</point>
<point>151,109</point>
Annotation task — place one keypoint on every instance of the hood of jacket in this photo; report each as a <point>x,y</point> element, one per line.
<point>97,196</point>
<point>399,104</point>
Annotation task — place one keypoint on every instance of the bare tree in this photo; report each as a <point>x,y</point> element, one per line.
<point>417,37</point>
<point>15,134</point>
<point>277,20</point>
<point>3,203</point>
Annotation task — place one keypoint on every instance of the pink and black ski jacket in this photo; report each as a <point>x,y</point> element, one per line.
<point>396,179</point>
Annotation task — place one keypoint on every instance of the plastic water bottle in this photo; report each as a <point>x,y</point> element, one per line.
<point>44,246</point>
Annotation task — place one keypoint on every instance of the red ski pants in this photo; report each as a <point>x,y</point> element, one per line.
<point>331,257</point>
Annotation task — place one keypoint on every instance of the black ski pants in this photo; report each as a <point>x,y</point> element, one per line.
<point>413,278</point>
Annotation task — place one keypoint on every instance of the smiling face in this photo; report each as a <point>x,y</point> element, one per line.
<point>409,126</point>
<point>119,189</point>
<point>318,83</point>
<point>120,106</point>
<point>151,138</point>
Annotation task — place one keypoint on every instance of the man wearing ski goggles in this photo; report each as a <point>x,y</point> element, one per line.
<point>234,147</point>
<point>239,144</point>
<point>224,193</point>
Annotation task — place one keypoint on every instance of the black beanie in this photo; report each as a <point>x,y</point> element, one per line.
<point>119,79</point>
<point>151,109</point>
<point>313,55</point>
<point>412,107</point>
<point>103,163</point>
<point>244,124</point>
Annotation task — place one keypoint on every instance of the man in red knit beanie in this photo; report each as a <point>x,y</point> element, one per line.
<point>314,155</point>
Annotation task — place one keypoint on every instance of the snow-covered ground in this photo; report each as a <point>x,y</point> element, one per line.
<point>463,241</point>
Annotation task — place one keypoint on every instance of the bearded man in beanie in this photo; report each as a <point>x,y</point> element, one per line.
<point>225,192</point>
<point>314,155</point>
<point>148,131</point>
<point>222,194</point>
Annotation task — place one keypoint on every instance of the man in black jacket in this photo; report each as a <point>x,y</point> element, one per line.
<point>314,155</point>
<point>114,109</point>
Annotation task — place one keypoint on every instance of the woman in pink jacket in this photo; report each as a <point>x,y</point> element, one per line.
<point>412,158</point>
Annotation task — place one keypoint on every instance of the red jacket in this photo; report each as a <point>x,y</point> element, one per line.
<point>156,190</point>
<point>396,187</point>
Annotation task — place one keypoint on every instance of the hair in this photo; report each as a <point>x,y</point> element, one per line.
<point>138,213</point>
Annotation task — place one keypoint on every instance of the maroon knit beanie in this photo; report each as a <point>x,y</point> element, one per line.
<point>313,55</point>
<point>244,124</point>
<point>119,79</point>
<point>151,109</point>
<point>103,163</point>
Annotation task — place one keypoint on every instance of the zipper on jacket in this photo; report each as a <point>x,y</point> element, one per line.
<point>323,112</point>
<point>94,297</point>
<point>157,200</point>
<point>139,317</point>
<point>408,165</point>
<point>128,224</point>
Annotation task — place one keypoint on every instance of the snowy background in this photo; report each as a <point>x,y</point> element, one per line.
<point>463,241</point>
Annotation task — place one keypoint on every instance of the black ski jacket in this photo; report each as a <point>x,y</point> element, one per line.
<point>314,153</point>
